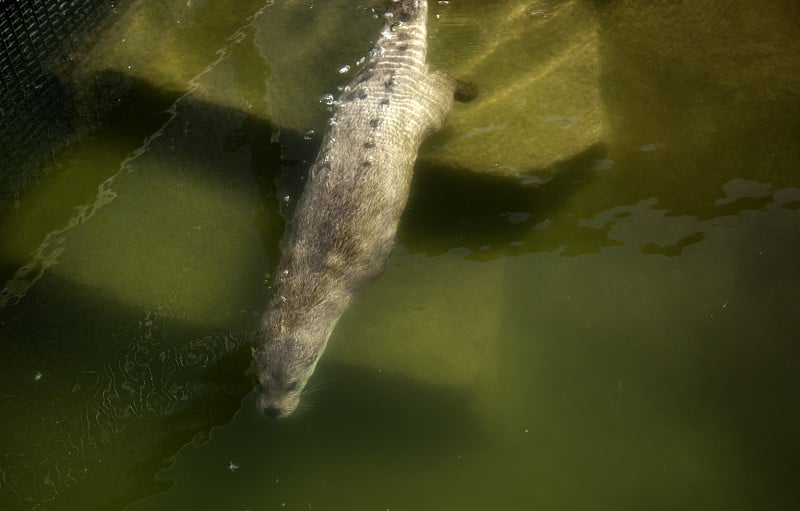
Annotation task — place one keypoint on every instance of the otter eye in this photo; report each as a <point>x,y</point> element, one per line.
<point>292,386</point>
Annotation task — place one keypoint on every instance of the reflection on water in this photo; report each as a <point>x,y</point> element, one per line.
<point>608,323</point>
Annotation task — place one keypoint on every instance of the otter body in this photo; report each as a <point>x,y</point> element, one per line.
<point>343,230</point>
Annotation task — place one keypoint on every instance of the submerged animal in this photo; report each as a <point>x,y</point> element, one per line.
<point>343,229</point>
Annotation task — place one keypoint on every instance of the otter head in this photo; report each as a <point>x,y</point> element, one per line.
<point>283,367</point>
<point>291,341</point>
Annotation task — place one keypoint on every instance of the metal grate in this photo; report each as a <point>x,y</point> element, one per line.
<point>36,113</point>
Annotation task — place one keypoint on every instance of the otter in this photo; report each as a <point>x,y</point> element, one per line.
<point>343,229</point>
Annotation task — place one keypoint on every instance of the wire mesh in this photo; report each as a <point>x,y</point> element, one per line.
<point>38,39</point>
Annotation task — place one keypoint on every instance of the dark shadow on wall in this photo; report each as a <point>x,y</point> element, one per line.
<point>356,417</point>
<point>493,216</point>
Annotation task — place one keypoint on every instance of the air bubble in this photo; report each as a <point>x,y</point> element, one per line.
<point>327,100</point>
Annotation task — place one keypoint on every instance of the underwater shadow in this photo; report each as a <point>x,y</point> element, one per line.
<point>492,216</point>
<point>373,414</point>
<point>98,394</point>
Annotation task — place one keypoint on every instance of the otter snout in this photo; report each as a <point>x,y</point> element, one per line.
<point>273,412</point>
<point>277,404</point>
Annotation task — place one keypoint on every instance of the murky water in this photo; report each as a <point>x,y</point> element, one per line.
<point>592,305</point>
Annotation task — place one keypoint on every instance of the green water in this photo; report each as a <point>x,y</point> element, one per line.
<point>593,304</point>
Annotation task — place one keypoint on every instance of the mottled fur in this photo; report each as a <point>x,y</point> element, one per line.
<point>343,230</point>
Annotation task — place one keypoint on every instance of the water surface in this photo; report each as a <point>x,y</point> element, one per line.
<point>592,304</point>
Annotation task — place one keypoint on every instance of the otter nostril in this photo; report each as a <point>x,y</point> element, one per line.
<point>271,411</point>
